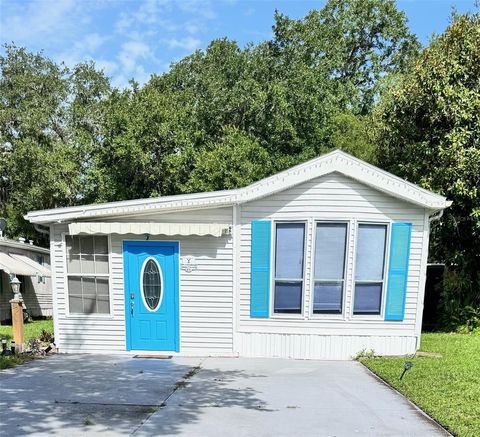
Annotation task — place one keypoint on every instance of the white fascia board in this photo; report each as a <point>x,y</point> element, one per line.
<point>153,204</point>
<point>352,167</point>
<point>336,161</point>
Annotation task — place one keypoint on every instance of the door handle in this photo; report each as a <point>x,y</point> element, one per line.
<point>132,304</point>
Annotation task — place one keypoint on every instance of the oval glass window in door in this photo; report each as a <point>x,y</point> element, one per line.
<point>151,284</point>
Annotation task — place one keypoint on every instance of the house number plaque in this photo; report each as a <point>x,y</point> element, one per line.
<point>188,264</point>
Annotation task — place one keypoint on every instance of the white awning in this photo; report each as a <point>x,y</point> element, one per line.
<point>14,266</point>
<point>141,228</point>
<point>41,270</point>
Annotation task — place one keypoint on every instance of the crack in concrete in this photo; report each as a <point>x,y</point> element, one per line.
<point>180,383</point>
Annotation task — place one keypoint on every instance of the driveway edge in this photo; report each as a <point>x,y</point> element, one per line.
<point>413,404</point>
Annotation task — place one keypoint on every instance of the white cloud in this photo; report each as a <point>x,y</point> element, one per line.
<point>131,52</point>
<point>124,38</point>
<point>130,57</point>
<point>40,20</point>
<point>188,43</point>
<point>150,14</point>
<point>108,67</point>
<point>93,42</point>
<point>199,8</point>
<point>83,50</point>
<point>192,27</point>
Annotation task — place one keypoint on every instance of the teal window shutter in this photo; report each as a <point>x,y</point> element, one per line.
<point>260,268</point>
<point>398,271</point>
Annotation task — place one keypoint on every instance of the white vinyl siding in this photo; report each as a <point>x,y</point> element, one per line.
<point>210,323</point>
<point>206,301</point>
<point>329,346</point>
<point>330,198</point>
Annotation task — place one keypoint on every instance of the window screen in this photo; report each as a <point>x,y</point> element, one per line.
<point>289,256</point>
<point>369,268</point>
<point>87,270</point>
<point>329,268</point>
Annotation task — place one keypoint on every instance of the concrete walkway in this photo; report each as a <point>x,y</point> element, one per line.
<point>98,395</point>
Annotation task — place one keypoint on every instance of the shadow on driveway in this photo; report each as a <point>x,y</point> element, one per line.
<point>73,395</point>
<point>87,395</point>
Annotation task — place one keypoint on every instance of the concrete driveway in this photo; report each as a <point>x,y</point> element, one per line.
<point>98,395</point>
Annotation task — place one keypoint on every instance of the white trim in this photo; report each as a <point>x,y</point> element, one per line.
<point>273,314</point>
<point>142,291</point>
<point>381,316</point>
<point>342,314</point>
<point>236,243</point>
<point>97,316</point>
<point>336,161</point>
<point>423,279</point>
<point>53,266</point>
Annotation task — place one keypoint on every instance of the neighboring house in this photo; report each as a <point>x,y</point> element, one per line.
<point>319,261</point>
<point>31,265</point>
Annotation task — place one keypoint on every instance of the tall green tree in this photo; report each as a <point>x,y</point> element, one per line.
<point>308,90</point>
<point>429,133</point>
<point>46,127</point>
<point>357,42</point>
<point>219,118</point>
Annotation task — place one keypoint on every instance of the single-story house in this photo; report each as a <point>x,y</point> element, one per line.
<point>321,261</point>
<point>31,265</point>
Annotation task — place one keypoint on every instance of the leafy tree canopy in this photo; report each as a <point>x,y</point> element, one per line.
<point>429,133</point>
<point>219,118</point>
<point>49,121</point>
<point>308,90</point>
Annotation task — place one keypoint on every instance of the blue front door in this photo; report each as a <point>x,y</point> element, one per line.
<point>151,295</point>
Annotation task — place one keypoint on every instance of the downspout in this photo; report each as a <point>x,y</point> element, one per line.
<point>436,216</point>
<point>431,218</point>
<point>40,229</point>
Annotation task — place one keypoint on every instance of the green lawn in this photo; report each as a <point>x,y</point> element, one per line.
<point>447,388</point>
<point>32,330</point>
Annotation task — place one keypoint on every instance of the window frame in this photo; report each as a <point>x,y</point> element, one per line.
<point>346,279</point>
<point>66,275</point>
<point>381,315</point>
<point>273,249</point>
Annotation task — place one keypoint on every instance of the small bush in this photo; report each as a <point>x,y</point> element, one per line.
<point>45,336</point>
<point>364,354</point>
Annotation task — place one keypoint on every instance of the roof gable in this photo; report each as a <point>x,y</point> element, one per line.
<point>336,161</point>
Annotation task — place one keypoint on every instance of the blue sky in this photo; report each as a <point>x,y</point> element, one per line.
<point>134,38</point>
